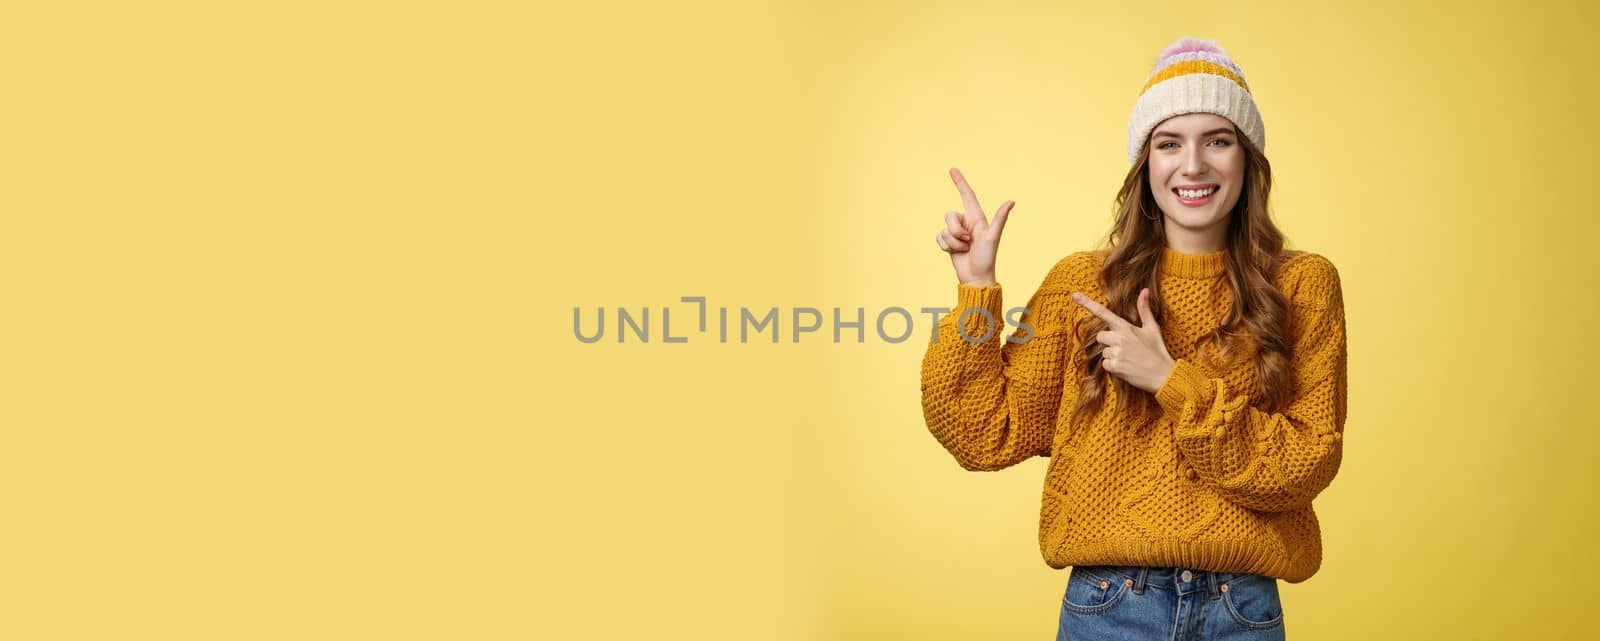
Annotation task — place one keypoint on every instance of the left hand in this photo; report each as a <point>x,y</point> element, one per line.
<point>1135,353</point>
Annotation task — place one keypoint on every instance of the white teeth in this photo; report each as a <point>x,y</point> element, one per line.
<point>1196,193</point>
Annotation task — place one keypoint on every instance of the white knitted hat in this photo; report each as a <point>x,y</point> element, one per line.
<point>1194,76</point>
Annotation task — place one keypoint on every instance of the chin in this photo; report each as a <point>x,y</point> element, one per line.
<point>1193,219</point>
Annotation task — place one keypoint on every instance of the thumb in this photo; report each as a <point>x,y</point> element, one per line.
<point>1147,319</point>
<point>1000,216</point>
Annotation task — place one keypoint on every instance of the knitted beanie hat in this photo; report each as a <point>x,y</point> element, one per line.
<point>1194,76</point>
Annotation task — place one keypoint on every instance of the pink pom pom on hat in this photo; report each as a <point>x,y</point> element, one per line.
<point>1194,76</point>
<point>1187,44</point>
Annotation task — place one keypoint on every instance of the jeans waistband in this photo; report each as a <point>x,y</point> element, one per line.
<point>1167,578</point>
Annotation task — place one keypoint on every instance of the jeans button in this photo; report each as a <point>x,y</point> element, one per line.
<point>1186,576</point>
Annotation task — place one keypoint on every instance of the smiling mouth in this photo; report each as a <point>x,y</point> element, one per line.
<point>1195,194</point>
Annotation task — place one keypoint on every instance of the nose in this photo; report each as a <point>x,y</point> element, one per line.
<point>1194,164</point>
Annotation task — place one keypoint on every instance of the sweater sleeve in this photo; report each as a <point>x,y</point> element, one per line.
<point>1271,462</point>
<point>992,403</point>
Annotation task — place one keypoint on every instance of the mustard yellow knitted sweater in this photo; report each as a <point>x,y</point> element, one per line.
<point>1214,483</point>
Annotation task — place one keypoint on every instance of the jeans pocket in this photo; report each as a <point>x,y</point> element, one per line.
<point>1252,600</point>
<point>1090,592</point>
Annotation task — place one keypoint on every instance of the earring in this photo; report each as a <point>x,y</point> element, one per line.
<point>1148,217</point>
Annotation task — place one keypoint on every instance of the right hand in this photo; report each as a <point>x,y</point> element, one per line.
<point>972,239</point>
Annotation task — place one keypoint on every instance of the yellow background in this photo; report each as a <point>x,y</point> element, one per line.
<point>288,294</point>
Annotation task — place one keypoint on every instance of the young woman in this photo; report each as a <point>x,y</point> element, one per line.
<point>1186,380</point>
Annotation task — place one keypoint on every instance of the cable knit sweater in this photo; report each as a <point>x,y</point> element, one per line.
<point>1213,483</point>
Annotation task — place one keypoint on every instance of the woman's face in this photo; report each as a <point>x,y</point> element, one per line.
<point>1196,170</point>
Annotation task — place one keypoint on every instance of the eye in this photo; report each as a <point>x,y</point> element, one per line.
<point>1164,144</point>
<point>1225,142</point>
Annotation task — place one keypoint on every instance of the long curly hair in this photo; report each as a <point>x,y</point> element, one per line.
<point>1132,251</point>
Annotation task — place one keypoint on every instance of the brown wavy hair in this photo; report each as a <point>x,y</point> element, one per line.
<point>1132,251</point>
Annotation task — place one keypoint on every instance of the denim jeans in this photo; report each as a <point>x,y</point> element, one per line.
<point>1126,602</point>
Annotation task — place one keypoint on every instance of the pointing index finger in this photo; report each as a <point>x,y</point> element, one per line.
<point>974,212</point>
<point>1100,311</point>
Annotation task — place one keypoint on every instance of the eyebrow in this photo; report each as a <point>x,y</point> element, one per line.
<point>1219,130</point>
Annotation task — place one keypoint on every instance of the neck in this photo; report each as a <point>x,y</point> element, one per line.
<point>1193,241</point>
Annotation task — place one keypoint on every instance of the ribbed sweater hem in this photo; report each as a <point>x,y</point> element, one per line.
<point>1216,556</point>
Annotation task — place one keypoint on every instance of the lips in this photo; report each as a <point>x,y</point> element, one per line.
<point>1195,195</point>
<point>1195,191</point>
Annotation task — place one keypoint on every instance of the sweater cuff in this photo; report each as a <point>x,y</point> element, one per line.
<point>987,297</point>
<point>984,323</point>
<point>1185,384</point>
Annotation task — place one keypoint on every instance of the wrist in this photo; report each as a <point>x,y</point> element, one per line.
<point>1164,376</point>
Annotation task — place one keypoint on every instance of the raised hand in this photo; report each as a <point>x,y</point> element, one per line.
<point>972,239</point>
<point>1134,353</point>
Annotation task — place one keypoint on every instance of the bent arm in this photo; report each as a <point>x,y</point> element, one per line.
<point>993,403</point>
<point>1269,461</point>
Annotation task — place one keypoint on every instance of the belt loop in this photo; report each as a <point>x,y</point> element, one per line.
<point>1211,586</point>
<point>1139,583</point>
